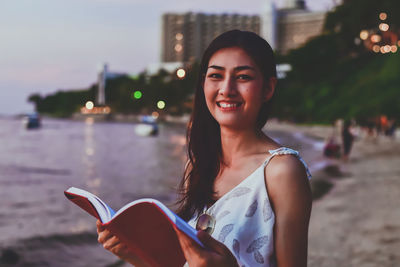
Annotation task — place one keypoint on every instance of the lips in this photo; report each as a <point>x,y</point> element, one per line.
<point>225,105</point>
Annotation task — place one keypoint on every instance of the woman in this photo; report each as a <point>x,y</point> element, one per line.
<point>252,194</point>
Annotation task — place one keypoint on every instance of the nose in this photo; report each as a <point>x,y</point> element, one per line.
<point>228,87</point>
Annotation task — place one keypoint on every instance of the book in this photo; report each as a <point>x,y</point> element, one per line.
<point>145,225</point>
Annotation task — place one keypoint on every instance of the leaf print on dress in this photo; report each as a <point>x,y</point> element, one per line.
<point>252,209</point>
<point>222,214</point>
<point>267,210</point>
<point>236,248</point>
<point>258,257</point>
<point>240,191</point>
<point>224,232</point>
<point>255,246</point>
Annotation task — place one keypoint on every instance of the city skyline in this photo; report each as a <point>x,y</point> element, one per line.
<point>52,45</point>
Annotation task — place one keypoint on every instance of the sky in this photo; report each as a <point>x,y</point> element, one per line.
<point>50,45</point>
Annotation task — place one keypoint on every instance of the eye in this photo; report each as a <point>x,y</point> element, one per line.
<point>214,76</point>
<point>244,77</point>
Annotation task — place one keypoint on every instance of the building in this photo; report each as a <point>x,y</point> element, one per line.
<point>102,77</point>
<point>186,36</point>
<point>290,27</point>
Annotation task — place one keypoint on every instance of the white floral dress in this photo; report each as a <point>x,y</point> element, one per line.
<point>245,219</point>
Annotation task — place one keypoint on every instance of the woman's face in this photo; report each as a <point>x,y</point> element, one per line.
<point>234,88</point>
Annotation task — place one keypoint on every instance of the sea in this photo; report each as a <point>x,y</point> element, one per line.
<point>40,227</point>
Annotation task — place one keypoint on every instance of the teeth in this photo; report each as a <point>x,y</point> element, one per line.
<point>225,105</point>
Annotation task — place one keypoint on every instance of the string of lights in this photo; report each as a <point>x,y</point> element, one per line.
<point>381,39</point>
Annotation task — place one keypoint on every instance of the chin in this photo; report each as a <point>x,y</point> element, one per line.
<point>233,124</point>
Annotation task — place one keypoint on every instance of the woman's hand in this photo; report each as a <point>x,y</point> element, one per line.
<point>111,243</point>
<point>215,254</point>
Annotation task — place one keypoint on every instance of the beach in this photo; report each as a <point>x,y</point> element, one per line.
<point>355,219</point>
<point>357,223</point>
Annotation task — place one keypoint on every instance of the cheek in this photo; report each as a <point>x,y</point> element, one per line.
<point>209,94</point>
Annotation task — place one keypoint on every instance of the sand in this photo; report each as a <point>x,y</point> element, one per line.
<point>357,223</point>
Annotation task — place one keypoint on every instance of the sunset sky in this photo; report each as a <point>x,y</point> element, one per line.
<point>47,45</point>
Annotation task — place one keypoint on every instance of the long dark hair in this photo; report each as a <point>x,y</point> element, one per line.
<point>203,133</point>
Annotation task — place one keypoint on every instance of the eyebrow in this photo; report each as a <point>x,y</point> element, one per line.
<point>238,68</point>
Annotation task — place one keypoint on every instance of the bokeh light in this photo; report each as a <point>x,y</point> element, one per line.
<point>376,48</point>
<point>364,35</point>
<point>393,48</point>
<point>383,16</point>
<point>376,38</point>
<point>178,48</point>
<point>179,36</point>
<point>161,104</point>
<point>181,73</point>
<point>386,49</point>
<point>384,27</point>
<point>137,95</point>
<point>89,105</point>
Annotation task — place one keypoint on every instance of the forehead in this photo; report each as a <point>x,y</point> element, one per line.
<point>231,57</point>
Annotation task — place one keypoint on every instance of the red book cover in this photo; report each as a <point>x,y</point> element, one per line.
<point>145,225</point>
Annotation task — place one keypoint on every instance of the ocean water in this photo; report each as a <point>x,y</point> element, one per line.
<point>40,227</point>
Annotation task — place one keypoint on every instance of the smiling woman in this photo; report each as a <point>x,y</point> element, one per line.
<point>249,195</point>
<point>248,191</point>
<point>234,88</point>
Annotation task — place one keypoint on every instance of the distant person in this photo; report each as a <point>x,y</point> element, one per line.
<point>250,193</point>
<point>391,129</point>
<point>347,140</point>
<point>331,147</point>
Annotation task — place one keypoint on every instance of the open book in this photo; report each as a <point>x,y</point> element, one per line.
<point>145,225</point>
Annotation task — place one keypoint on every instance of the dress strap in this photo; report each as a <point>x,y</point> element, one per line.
<point>287,151</point>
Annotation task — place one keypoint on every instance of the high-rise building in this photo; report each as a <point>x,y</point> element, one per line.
<point>186,36</point>
<point>291,26</point>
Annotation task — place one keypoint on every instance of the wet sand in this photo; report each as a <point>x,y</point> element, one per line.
<point>358,222</point>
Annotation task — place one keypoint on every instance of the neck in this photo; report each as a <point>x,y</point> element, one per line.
<point>239,143</point>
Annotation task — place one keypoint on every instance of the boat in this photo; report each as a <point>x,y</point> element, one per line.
<point>32,121</point>
<point>147,126</point>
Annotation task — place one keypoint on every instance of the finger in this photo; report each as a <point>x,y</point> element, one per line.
<point>111,243</point>
<point>210,243</point>
<point>189,247</point>
<point>121,250</point>
<point>104,236</point>
<point>99,226</point>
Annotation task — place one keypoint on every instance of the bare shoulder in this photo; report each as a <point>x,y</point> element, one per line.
<point>285,176</point>
<point>285,165</point>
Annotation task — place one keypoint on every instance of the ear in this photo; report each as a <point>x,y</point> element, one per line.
<point>269,88</point>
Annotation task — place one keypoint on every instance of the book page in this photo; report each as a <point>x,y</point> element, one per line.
<point>103,210</point>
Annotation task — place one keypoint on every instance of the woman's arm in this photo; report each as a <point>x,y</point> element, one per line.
<point>291,199</point>
<point>115,246</point>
